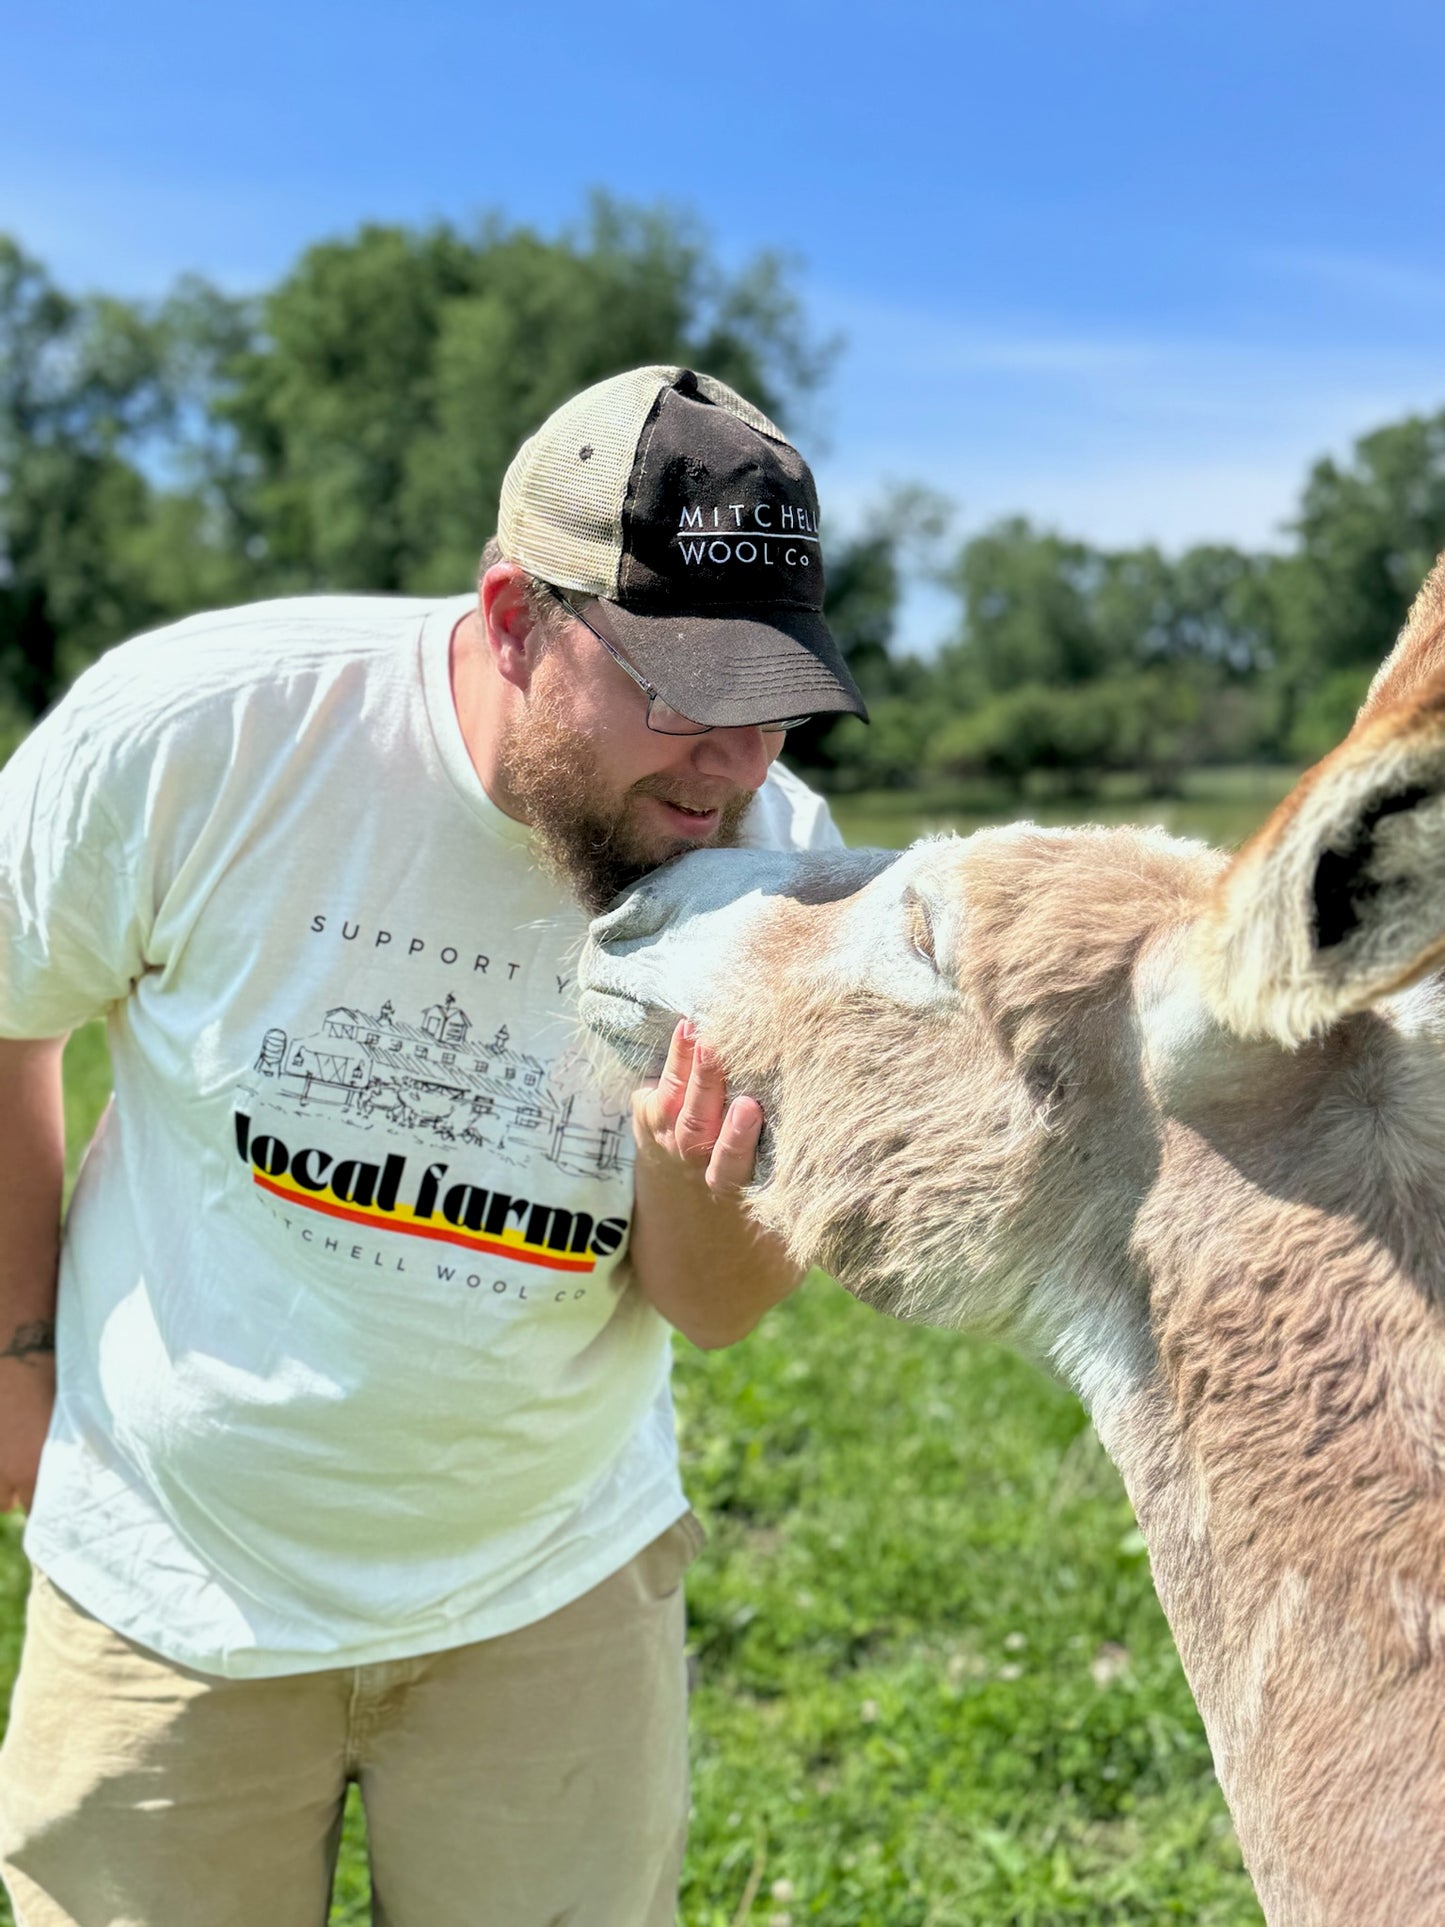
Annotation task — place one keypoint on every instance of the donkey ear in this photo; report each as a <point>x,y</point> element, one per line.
<point>1340,898</point>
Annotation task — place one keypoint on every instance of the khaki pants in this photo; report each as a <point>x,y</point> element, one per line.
<point>532,1780</point>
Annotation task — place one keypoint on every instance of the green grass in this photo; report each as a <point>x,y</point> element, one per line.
<point>934,1687</point>
<point>1221,806</point>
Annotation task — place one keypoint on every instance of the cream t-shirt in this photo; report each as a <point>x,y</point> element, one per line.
<point>348,1370</point>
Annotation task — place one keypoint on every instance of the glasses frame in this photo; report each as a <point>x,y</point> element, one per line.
<point>656,696</point>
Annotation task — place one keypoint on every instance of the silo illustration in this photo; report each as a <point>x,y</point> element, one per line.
<point>273,1050</point>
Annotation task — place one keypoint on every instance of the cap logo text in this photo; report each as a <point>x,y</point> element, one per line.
<point>748,532</point>
<point>772,517</point>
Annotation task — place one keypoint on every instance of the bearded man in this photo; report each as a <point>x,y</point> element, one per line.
<point>361,1464</point>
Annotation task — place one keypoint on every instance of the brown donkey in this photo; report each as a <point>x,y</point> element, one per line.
<point>1174,1122</point>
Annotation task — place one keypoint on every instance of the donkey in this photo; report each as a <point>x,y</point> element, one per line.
<point>1174,1123</point>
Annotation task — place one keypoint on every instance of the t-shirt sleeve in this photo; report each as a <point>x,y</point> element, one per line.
<point>787,815</point>
<point>72,928</point>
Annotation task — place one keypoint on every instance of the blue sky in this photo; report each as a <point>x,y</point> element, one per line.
<point>1122,265</point>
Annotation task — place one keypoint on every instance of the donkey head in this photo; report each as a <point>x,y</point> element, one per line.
<point>970,1055</point>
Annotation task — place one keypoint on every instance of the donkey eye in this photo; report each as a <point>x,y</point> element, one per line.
<point>920,929</point>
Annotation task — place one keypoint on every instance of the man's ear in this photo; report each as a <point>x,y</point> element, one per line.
<point>508,624</point>
<point>1340,898</point>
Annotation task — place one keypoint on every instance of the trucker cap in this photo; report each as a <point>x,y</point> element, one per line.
<point>684,525</point>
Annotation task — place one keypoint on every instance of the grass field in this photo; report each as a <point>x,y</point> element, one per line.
<point>934,1688</point>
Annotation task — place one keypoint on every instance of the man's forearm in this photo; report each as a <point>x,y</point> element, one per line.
<point>701,1260</point>
<point>32,1337</point>
<point>32,1179</point>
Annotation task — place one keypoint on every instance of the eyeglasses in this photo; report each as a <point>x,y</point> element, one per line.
<point>661,716</point>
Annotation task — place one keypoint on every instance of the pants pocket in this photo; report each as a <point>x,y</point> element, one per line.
<point>660,1567</point>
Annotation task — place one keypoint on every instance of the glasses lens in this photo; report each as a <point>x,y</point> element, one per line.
<point>667,721</point>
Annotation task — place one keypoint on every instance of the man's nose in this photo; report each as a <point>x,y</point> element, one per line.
<point>744,755</point>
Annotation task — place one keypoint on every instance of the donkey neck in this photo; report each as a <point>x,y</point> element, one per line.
<point>1286,1460</point>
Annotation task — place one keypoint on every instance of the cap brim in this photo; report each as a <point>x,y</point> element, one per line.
<point>735,668</point>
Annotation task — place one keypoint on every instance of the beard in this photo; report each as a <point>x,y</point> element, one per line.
<point>586,831</point>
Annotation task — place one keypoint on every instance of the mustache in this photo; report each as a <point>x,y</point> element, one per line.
<point>694,793</point>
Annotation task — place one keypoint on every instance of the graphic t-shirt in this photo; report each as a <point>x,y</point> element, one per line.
<point>349,1369</point>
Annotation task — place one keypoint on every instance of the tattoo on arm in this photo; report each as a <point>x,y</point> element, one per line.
<point>30,1339</point>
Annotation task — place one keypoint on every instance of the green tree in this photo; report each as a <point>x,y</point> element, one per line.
<point>865,575</point>
<point>80,387</point>
<point>395,373</point>
<point>1147,722</point>
<point>1028,610</point>
<point>1368,530</point>
<point>888,753</point>
<point>114,470</point>
<point>348,429</point>
<point>1322,717</point>
<point>1209,606</point>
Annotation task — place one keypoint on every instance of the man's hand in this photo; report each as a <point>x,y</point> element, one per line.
<point>27,1396</point>
<point>695,1252</point>
<point>684,1116</point>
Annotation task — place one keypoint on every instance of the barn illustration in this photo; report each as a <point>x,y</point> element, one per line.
<point>434,1080</point>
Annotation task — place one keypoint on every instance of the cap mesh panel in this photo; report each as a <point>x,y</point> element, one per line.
<point>561,516</point>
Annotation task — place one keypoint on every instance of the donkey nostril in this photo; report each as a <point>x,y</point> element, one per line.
<point>641,913</point>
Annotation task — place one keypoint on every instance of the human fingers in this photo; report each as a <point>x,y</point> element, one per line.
<point>703,1106</point>
<point>734,1156</point>
<point>656,1103</point>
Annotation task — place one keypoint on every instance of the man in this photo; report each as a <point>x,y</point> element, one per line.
<point>361,1465</point>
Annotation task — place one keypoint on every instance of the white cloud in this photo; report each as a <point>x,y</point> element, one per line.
<point>1119,439</point>
<point>1390,283</point>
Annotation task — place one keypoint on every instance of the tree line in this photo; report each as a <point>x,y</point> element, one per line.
<point>348,429</point>
<point>1069,662</point>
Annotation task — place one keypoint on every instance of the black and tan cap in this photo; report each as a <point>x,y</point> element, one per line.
<point>685,526</point>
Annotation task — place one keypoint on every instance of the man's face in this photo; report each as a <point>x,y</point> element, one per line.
<point>608,797</point>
